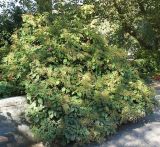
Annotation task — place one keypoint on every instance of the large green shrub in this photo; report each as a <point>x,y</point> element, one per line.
<point>79,88</point>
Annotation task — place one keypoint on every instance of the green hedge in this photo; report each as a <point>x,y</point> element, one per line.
<point>79,88</point>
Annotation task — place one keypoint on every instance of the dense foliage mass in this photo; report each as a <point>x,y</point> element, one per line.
<point>70,58</point>
<point>79,88</point>
<point>10,21</point>
<point>132,25</point>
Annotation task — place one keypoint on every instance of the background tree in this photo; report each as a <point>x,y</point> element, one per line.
<point>44,6</point>
<point>134,27</point>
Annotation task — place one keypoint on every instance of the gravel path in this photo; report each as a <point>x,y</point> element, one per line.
<point>12,121</point>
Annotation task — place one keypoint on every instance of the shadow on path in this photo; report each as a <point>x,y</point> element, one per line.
<point>12,121</point>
